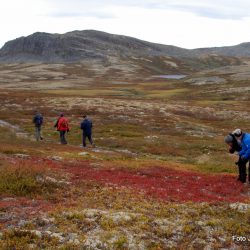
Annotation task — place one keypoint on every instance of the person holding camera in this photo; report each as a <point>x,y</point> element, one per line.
<point>240,142</point>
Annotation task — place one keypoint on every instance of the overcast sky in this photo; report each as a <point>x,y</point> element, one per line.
<point>184,23</point>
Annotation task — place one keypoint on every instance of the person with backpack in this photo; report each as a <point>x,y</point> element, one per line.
<point>86,127</point>
<point>62,126</point>
<point>244,153</point>
<point>38,121</point>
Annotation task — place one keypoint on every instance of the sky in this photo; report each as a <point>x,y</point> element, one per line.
<point>183,23</point>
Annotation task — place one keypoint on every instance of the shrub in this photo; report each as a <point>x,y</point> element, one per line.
<point>23,180</point>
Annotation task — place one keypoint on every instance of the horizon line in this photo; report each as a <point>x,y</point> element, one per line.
<point>101,31</point>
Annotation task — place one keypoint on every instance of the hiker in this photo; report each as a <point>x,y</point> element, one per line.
<point>62,126</point>
<point>244,154</point>
<point>234,146</point>
<point>86,127</point>
<point>38,121</point>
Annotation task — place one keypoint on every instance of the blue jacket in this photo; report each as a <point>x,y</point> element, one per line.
<point>86,126</point>
<point>245,143</point>
<point>38,120</point>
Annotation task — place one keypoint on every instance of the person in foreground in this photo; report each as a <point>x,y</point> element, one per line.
<point>244,154</point>
<point>86,127</point>
<point>38,121</point>
<point>240,142</point>
<point>62,126</point>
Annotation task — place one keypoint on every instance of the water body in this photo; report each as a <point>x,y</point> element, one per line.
<point>176,77</point>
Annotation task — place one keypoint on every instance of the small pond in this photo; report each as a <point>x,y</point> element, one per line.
<point>177,77</point>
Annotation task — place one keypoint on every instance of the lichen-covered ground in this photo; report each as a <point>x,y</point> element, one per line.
<point>159,177</point>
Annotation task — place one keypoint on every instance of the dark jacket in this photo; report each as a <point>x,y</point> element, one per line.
<point>236,145</point>
<point>86,126</point>
<point>38,120</point>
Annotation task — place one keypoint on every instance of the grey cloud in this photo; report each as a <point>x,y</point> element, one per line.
<point>220,9</point>
<point>97,14</point>
<point>78,8</point>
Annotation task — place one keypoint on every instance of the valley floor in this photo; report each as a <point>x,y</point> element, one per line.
<point>159,177</point>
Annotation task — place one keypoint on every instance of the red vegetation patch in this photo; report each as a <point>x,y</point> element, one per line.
<point>166,184</point>
<point>157,182</point>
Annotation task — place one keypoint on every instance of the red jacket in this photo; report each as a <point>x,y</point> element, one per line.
<point>62,124</point>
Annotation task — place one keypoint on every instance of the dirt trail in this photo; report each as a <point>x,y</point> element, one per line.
<point>15,129</point>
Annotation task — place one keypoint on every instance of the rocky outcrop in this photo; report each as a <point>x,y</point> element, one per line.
<point>80,45</point>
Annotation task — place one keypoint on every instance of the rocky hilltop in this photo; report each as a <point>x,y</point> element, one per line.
<point>87,45</point>
<point>81,45</point>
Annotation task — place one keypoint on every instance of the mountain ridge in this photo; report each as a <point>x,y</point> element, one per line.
<point>84,45</point>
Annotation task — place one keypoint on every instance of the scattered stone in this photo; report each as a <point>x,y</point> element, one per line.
<point>83,153</point>
<point>59,236</point>
<point>5,218</point>
<point>35,232</point>
<point>94,243</point>
<point>22,223</point>
<point>50,179</point>
<point>125,151</point>
<point>96,165</point>
<point>75,242</point>
<point>90,213</point>
<point>48,232</point>
<point>99,150</point>
<point>56,158</point>
<point>151,138</point>
<point>22,156</point>
<point>43,221</point>
<point>120,217</point>
<point>9,199</point>
<point>240,207</point>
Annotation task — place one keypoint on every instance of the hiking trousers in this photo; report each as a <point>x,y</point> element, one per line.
<point>243,172</point>
<point>84,137</point>
<point>62,137</point>
<point>38,133</point>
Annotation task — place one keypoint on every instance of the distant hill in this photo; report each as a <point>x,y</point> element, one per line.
<point>81,45</point>
<point>108,49</point>
<point>241,50</point>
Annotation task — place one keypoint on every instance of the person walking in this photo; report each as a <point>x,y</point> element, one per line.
<point>38,122</point>
<point>86,127</point>
<point>62,126</point>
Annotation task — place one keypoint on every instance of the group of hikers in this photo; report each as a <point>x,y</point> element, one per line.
<point>237,140</point>
<point>240,142</point>
<point>62,126</point>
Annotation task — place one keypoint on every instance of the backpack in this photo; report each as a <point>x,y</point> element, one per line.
<point>39,120</point>
<point>64,124</point>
